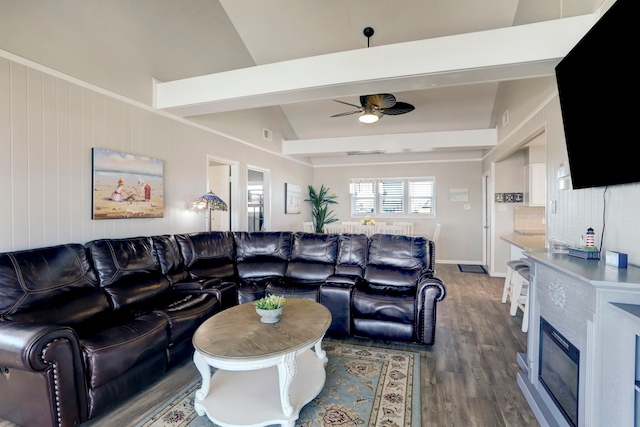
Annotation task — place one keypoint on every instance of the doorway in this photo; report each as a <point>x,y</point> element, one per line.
<point>258,199</point>
<point>222,180</point>
<point>486,220</point>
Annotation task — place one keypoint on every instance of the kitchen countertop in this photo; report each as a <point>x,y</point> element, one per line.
<point>535,242</point>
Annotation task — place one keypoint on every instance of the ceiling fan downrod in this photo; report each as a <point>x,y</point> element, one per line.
<point>368,32</point>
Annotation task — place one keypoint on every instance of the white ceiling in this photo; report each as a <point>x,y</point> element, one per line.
<point>308,52</point>
<point>447,58</point>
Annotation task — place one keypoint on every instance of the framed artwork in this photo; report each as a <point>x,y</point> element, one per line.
<point>458,194</point>
<point>293,203</point>
<point>126,185</point>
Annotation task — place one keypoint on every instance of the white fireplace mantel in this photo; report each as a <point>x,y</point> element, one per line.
<point>597,308</point>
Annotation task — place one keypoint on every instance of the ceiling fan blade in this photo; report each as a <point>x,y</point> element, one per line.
<point>382,100</point>
<point>346,103</point>
<point>347,113</point>
<point>398,108</point>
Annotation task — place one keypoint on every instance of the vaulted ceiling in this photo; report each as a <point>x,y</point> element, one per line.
<point>447,58</point>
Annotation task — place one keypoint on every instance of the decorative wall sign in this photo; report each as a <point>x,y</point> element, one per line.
<point>293,204</point>
<point>509,197</point>
<point>126,185</point>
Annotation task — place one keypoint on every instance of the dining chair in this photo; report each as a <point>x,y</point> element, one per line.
<point>348,226</point>
<point>520,297</point>
<point>369,230</point>
<point>307,227</point>
<point>407,227</point>
<point>390,229</point>
<point>334,229</point>
<point>436,234</point>
<point>380,224</point>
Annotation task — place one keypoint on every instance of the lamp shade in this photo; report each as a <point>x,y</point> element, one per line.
<point>209,201</point>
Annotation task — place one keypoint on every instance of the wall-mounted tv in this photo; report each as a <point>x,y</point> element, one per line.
<point>598,96</point>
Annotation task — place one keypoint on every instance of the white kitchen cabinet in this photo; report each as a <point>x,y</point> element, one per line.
<point>535,187</point>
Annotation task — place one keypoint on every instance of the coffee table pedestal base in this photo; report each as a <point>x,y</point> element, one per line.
<point>251,398</point>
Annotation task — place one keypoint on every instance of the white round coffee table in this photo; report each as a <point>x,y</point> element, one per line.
<point>265,372</point>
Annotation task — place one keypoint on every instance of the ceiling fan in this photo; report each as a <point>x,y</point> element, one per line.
<point>373,107</point>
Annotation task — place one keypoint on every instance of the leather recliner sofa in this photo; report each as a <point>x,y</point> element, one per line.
<point>84,326</point>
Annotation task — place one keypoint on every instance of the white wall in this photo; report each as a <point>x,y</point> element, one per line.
<point>461,235</point>
<point>48,125</point>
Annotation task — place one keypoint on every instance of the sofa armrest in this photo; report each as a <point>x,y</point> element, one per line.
<point>22,344</point>
<point>337,297</point>
<point>197,284</point>
<point>430,290</point>
<point>430,279</point>
<point>37,359</point>
<point>345,279</point>
<point>226,292</point>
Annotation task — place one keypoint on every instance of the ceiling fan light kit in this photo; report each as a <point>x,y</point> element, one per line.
<point>373,107</point>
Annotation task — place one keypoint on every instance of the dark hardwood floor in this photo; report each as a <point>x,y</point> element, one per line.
<point>468,376</point>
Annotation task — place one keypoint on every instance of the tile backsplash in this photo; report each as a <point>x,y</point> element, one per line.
<point>529,220</point>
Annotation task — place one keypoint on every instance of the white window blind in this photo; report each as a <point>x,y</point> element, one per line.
<point>421,196</point>
<point>393,196</point>
<point>363,197</point>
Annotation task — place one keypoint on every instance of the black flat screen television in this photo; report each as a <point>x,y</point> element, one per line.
<point>597,89</point>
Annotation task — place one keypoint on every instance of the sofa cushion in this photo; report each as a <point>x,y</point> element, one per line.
<point>208,254</point>
<point>128,270</point>
<point>380,305</point>
<point>185,312</point>
<point>395,262</point>
<point>112,351</point>
<point>352,254</point>
<point>313,257</point>
<point>262,254</point>
<point>398,251</point>
<point>45,278</point>
<point>314,247</point>
<point>171,262</point>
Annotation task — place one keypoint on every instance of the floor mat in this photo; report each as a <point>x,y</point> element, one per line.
<point>472,268</point>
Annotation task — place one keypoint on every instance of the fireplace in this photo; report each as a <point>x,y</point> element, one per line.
<point>559,370</point>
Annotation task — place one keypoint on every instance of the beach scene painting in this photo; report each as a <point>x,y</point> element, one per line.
<point>126,185</point>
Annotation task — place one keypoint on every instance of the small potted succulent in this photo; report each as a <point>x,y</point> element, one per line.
<point>270,308</point>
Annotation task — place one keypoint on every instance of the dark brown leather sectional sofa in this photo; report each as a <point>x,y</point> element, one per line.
<point>84,326</point>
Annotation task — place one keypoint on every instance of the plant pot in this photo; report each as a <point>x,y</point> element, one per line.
<point>269,316</point>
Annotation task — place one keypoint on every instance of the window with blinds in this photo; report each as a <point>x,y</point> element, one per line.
<point>393,196</point>
<point>363,197</point>
<point>421,196</point>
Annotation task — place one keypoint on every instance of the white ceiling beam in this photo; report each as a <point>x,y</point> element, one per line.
<point>396,143</point>
<point>524,51</point>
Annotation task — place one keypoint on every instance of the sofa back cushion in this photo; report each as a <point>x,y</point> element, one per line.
<point>128,270</point>
<point>53,284</point>
<point>395,261</point>
<point>171,262</point>
<point>262,254</point>
<point>352,254</point>
<point>313,256</point>
<point>208,254</point>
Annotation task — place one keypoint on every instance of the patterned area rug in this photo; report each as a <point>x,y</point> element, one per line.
<point>365,386</point>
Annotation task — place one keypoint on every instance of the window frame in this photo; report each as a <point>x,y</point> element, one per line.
<point>378,196</point>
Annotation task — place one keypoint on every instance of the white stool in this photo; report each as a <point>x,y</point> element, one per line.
<point>510,280</point>
<point>520,296</point>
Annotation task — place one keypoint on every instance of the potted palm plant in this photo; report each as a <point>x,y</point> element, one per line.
<point>320,201</point>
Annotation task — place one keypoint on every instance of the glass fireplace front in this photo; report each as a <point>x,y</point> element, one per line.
<point>559,370</point>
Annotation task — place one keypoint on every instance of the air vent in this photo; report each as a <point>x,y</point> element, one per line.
<point>267,134</point>
<point>360,153</point>
<point>505,118</point>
